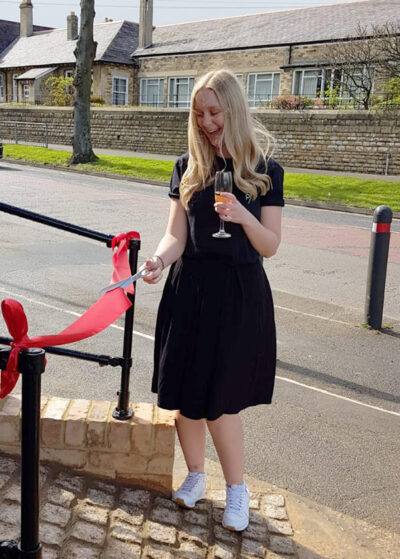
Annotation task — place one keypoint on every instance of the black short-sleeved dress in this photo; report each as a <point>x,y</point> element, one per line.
<point>215,344</point>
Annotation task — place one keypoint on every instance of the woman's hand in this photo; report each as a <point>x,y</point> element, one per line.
<point>155,268</point>
<point>232,211</point>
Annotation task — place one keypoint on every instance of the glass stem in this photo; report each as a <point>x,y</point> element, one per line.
<point>221,226</point>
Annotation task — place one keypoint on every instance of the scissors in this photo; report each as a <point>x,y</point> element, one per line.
<point>125,282</point>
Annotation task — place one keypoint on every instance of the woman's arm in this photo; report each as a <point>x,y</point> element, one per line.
<point>265,236</point>
<point>172,245</point>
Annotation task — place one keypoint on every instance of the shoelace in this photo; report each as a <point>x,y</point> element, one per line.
<point>191,481</point>
<point>235,498</point>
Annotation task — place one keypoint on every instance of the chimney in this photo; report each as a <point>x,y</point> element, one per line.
<point>146,24</point>
<point>72,26</point>
<point>26,23</point>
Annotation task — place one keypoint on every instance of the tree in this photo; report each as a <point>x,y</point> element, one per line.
<point>60,90</point>
<point>85,52</point>
<point>355,62</point>
<point>389,47</point>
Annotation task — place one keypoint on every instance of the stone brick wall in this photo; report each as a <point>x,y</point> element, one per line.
<point>83,435</point>
<point>357,141</point>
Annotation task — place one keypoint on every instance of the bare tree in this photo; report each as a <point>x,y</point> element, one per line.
<point>85,52</point>
<point>356,61</point>
<point>389,47</point>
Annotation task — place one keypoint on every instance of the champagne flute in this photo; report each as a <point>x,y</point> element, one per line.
<point>222,183</point>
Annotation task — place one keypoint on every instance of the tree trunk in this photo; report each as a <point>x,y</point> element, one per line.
<point>84,53</point>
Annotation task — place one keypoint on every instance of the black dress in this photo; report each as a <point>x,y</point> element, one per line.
<point>215,343</point>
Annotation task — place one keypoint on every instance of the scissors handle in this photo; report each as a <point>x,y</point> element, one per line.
<point>125,282</point>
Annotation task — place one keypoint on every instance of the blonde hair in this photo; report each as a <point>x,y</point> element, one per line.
<point>245,139</point>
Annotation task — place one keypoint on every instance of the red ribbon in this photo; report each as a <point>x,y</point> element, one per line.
<point>96,319</point>
<point>120,257</point>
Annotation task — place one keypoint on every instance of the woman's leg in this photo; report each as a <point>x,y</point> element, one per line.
<point>227,434</point>
<point>192,436</point>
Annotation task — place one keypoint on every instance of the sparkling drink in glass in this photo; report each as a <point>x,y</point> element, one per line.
<point>222,183</point>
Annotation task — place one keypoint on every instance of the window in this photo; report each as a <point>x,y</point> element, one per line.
<point>119,92</point>
<point>320,82</point>
<point>69,74</point>
<point>262,88</point>
<point>355,84</point>
<point>152,92</point>
<point>26,92</point>
<point>179,91</point>
<point>310,83</point>
<point>15,87</point>
<point>1,87</point>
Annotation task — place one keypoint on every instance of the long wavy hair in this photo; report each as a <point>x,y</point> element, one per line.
<point>245,139</point>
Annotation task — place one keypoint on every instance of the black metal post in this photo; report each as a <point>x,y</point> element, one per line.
<point>123,411</point>
<point>377,265</point>
<point>31,366</point>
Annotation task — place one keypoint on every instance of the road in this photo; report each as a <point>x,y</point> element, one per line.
<point>332,431</point>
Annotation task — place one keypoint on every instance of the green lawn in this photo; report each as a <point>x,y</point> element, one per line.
<point>128,166</point>
<point>341,190</point>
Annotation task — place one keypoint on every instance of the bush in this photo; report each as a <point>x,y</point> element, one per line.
<point>97,100</point>
<point>61,91</point>
<point>292,102</point>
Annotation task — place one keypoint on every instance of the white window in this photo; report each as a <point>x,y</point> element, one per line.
<point>15,87</point>
<point>262,88</point>
<point>1,87</point>
<point>321,82</point>
<point>152,92</point>
<point>120,91</point>
<point>309,83</point>
<point>26,92</point>
<point>179,91</point>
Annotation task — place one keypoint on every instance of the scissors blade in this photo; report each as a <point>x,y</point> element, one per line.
<point>125,282</point>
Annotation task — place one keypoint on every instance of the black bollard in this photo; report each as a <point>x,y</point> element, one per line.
<point>123,411</point>
<point>378,257</point>
<point>31,365</point>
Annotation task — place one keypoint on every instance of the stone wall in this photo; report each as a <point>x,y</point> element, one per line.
<point>357,141</point>
<point>83,435</point>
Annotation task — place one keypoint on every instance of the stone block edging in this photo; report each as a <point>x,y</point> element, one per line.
<point>83,435</point>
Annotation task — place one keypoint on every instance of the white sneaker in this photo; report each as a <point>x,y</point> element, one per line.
<point>193,489</point>
<point>236,513</point>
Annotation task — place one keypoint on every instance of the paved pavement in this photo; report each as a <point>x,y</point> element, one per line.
<point>82,517</point>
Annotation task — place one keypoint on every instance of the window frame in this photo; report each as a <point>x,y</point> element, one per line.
<point>15,88</point>
<point>26,90</point>
<point>177,104</point>
<point>113,91</point>
<point>160,95</point>
<point>252,101</point>
<point>329,78</point>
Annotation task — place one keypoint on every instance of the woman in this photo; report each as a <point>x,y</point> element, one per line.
<point>215,349</point>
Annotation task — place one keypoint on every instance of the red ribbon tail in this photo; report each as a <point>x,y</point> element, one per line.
<point>8,382</point>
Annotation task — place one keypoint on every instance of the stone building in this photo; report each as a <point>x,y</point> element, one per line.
<point>272,53</point>
<point>30,54</point>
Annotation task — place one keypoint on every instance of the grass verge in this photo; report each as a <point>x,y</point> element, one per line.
<point>127,166</point>
<point>362,193</point>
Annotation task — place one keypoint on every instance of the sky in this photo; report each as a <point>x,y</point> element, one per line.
<point>53,13</point>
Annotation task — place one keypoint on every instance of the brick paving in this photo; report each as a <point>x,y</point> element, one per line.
<point>82,517</point>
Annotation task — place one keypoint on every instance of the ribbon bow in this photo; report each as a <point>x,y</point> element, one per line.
<point>96,319</point>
